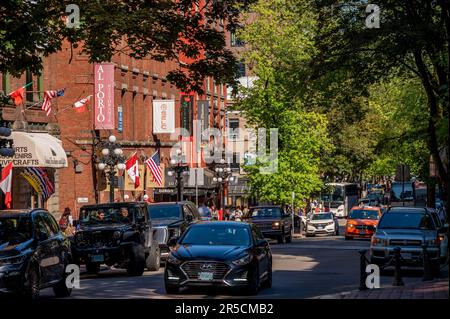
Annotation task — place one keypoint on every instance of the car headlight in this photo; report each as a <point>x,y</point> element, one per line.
<point>242,261</point>
<point>276,225</point>
<point>376,241</point>
<point>330,223</point>
<point>350,225</point>
<point>13,260</point>
<point>171,259</point>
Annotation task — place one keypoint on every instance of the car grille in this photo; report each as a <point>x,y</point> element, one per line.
<point>403,242</point>
<point>161,235</point>
<point>192,269</point>
<point>365,227</point>
<point>264,227</point>
<point>96,239</point>
<point>320,225</point>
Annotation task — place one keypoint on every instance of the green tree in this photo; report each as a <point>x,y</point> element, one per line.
<point>160,29</point>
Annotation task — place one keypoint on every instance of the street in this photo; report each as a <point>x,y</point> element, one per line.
<point>306,268</point>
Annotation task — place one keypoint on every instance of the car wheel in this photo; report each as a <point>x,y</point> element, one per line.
<point>281,238</point>
<point>170,288</point>
<point>253,286</point>
<point>153,259</point>
<point>136,266</point>
<point>92,268</point>
<point>60,289</point>
<point>348,237</point>
<point>268,282</point>
<point>289,239</point>
<point>32,288</point>
<point>435,269</point>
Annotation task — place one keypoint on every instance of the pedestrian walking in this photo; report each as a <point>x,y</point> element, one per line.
<point>66,223</point>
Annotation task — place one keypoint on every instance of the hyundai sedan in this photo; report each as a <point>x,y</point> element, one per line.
<point>221,254</point>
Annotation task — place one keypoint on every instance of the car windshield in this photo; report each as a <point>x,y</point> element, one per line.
<point>406,220</point>
<point>265,212</point>
<point>363,214</point>
<point>217,235</point>
<point>165,212</point>
<point>322,216</point>
<point>106,215</point>
<point>15,229</point>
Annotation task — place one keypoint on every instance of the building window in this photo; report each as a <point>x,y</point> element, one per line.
<point>235,41</point>
<point>235,165</point>
<point>233,125</point>
<point>29,89</point>
<point>241,69</point>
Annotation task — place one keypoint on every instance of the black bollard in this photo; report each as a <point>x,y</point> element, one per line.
<point>362,269</point>
<point>398,268</point>
<point>427,275</point>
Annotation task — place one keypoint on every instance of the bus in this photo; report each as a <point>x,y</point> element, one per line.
<point>340,197</point>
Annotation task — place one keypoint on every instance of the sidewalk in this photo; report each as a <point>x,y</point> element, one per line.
<point>435,289</point>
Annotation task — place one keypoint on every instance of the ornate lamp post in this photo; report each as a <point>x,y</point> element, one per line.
<point>112,158</point>
<point>179,169</point>
<point>222,176</point>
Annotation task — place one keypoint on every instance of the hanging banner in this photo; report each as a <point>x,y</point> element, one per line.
<point>163,116</point>
<point>187,103</point>
<point>104,96</point>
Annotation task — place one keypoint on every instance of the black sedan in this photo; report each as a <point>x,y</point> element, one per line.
<point>223,254</point>
<point>34,253</point>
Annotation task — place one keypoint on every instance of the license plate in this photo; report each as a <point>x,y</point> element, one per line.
<point>320,227</point>
<point>97,258</point>
<point>406,256</point>
<point>207,276</point>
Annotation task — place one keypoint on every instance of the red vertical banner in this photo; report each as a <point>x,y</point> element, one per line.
<point>104,96</point>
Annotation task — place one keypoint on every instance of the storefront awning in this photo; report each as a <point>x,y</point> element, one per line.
<point>36,150</point>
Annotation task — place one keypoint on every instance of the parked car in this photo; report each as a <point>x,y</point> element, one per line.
<point>410,228</point>
<point>219,253</point>
<point>34,253</point>
<point>322,223</point>
<point>170,219</point>
<point>272,221</point>
<point>116,234</point>
<point>362,222</point>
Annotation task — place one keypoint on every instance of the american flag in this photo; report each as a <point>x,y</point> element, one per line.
<point>48,96</point>
<point>154,164</point>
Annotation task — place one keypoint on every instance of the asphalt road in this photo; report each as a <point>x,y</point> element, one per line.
<point>305,268</point>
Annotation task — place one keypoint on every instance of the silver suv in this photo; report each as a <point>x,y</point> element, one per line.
<point>409,228</point>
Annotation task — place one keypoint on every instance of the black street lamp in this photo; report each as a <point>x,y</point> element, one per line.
<point>179,169</point>
<point>112,159</point>
<point>222,176</point>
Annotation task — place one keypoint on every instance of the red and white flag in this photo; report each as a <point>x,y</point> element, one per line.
<point>132,167</point>
<point>48,96</point>
<point>80,106</point>
<point>5,184</point>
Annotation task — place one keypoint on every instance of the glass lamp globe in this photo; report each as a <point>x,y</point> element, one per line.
<point>173,161</point>
<point>101,166</point>
<point>222,161</point>
<point>220,170</point>
<point>145,197</point>
<point>219,179</point>
<point>112,139</point>
<point>231,178</point>
<point>214,179</point>
<point>170,173</point>
<point>178,152</point>
<point>105,152</point>
<point>228,169</point>
<point>121,166</point>
<point>118,151</point>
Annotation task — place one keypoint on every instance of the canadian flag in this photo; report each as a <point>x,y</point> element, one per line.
<point>80,106</point>
<point>132,167</point>
<point>5,184</point>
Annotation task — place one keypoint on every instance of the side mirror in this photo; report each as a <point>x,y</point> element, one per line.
<point>261,243</point>
<point>172,241</point>
<point>41,236</point>
<point>189,218</point>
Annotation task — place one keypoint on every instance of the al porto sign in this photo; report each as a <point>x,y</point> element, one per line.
<point>104,96</point>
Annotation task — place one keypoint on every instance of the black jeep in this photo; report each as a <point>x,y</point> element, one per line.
<point>116,234</point>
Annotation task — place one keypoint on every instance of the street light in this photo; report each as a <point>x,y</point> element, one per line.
<point>222,176</point>
<point>179,169</point>
<point>112,159</point>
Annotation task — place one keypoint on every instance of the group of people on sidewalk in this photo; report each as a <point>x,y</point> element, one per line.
<point>235,213</point>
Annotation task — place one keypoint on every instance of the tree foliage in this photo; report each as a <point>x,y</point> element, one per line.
<point>160,29</point>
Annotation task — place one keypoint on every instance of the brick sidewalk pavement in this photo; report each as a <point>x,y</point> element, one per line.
<point>436,289</point>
